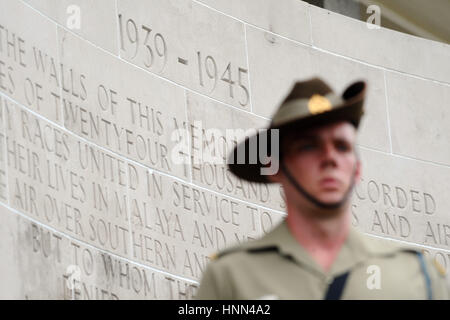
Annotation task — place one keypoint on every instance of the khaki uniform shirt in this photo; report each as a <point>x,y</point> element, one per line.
<point>278,267</point>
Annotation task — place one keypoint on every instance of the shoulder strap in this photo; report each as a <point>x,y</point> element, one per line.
<point>244,248</point>
<point>336,288</point>
<point>425,272</point>
<point>426,275</point>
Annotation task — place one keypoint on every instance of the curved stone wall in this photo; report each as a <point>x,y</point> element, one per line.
<point>105,104</point>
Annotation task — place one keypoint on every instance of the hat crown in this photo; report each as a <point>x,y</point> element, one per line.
<point>305,89</point>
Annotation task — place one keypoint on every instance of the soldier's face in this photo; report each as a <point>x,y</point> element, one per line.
<point>323,161</point>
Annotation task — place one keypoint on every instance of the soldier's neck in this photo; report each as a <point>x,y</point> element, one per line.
<point>322,238</point>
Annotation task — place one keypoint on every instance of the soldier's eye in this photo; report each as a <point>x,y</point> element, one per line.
<point>343,147</point>
<point>306,146</point>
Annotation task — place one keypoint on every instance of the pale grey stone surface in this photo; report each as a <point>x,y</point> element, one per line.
<point>39,263</point>
<point>120,107</point>
<point>29,67</point>
<point>403,199</point>
<point>275,65</point>
<point>380,47</point>
<point>98,140</point>
<point>67,183</point>
<point>3,176</point>
<point>12,287</point>
<point>420,117</point>
<point>97,19</point>
<point>288,18</point>
<point>211,45</point>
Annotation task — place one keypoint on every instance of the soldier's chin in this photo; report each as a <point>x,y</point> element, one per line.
<point>331,198</point>
<point>335,203</point>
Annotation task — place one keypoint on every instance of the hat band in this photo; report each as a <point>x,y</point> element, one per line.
<point>300,108</point>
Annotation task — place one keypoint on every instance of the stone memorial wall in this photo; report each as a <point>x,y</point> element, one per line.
<point>114,121</point>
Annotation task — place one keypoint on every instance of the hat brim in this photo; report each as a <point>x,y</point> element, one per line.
<point>350,110</point>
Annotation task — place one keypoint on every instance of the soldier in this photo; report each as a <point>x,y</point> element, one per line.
<point>315,252</point>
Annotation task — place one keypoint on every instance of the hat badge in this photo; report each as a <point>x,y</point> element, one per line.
<point>318,104</point>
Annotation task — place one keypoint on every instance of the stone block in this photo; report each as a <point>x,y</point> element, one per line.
<point>275,64</point>
<point>286,18</point>
<point>29,67</point>
<point>120,107</point>
<point>95,21</point>
<point>381,47</point>
<point>419,117</point>
<point>192,45</point>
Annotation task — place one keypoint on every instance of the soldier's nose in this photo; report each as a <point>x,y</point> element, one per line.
<point>328,154</point>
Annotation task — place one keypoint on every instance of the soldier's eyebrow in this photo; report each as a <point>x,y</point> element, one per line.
<point>341,139</point>
<point>303,136</point>
<point>344,142</point>
<point>310,138</point>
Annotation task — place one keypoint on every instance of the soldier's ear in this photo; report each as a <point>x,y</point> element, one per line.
<point>358,166</point>
<point>358,169</point>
